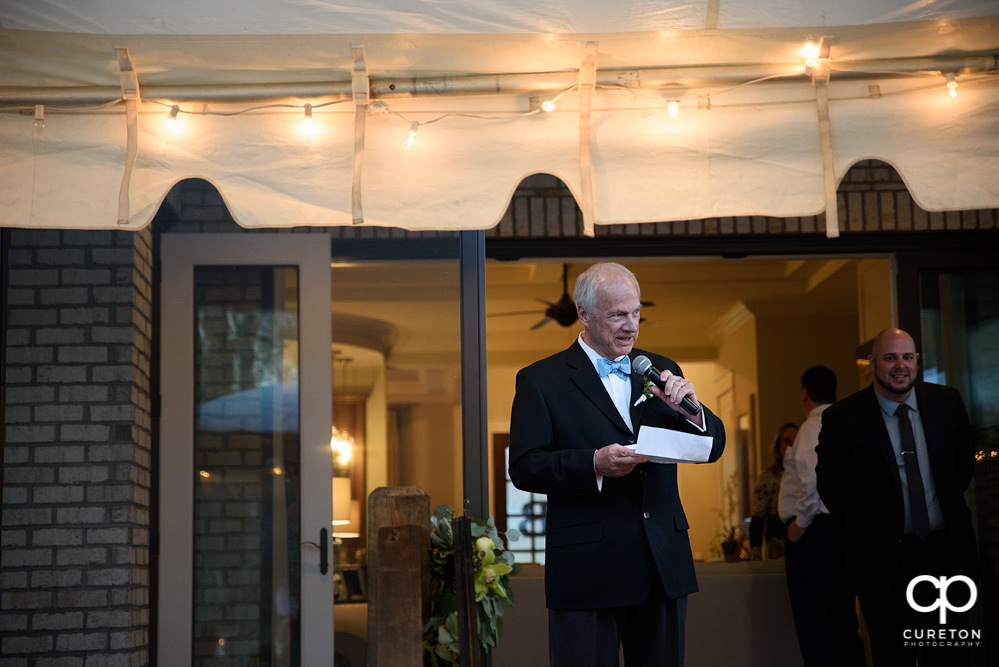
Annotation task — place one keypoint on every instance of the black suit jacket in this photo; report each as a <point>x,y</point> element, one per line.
<point>858,479</point>
<point>603,548</point>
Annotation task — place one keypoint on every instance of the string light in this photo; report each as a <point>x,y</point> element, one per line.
<point>549,105</point>
<point>172,121</point>
<point>951,86</point>
<point>40,117</point>
<point>414,127</point>
<point>307,125</point>
<point>814,54</point>
<point>811,54</point>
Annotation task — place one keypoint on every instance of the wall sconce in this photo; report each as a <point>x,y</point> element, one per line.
<point>342,445</point>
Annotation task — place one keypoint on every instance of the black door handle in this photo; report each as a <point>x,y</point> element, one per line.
<point>324,557</point>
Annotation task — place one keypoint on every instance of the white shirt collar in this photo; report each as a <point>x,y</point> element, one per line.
<point>889,406</point>
<point>593,354</point>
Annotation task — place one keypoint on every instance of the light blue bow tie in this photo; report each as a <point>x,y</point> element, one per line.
<point>621,368</point>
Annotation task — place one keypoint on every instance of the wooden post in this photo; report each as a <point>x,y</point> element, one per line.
<point>398,575</point>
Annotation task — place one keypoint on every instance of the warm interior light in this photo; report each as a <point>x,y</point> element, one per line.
<point>414,127</point>
<point>341,501</point>
<point>341,445</point>
<point>951,86</point>
<point>548,106</point>
<point>351,528</point>
<point>674,109</point>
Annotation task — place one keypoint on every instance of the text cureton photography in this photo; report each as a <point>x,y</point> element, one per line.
<point>942,603</point>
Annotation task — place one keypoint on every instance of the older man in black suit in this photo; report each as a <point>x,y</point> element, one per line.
<point>618,560</point>
<point>894,461</point>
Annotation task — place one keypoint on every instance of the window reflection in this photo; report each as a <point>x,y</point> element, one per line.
<point>247,466</point>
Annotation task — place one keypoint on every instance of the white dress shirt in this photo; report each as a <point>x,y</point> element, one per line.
<point>787,496</point>
<point>619,390</point>
<point>799,497</point>
<point>618,387</point>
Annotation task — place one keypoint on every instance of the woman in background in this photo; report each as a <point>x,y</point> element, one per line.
<point>765,523</point>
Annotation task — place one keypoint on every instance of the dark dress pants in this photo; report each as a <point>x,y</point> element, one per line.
<point>898,633</point>
<point>822,601</point>
<point>651,634</point>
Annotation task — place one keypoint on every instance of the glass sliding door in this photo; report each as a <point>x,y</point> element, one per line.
<point>396,342</point>
<point>246,461</point>
<point>951,305</point>
<point>397,399</point>
<point>959,318</point>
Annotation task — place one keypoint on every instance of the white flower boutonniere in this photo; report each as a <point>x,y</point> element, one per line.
<point>646,393</point>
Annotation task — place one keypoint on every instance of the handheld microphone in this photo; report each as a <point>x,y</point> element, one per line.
<point>643,366</point>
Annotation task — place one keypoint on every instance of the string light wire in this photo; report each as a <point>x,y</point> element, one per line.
<point>380,106</point>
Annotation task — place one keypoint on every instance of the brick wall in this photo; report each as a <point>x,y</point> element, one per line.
<point>74,572</point>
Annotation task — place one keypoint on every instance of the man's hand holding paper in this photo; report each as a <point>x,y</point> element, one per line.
<point>663,445</point>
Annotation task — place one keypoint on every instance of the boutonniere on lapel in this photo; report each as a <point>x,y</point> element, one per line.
<point>646,393</point>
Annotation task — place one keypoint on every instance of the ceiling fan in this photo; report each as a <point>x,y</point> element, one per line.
<point>562,311</point>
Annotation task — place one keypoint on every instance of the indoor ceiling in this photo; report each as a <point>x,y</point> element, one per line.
<point>695,302</point>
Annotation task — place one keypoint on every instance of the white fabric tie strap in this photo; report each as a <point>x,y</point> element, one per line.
<point>361,88</point>
<point>130,93</point>
<point>587,81</point>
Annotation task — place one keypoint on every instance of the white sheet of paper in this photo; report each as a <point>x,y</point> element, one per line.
<point>663,445</point>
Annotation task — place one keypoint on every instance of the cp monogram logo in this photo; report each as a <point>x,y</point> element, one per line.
<point>942,603</point>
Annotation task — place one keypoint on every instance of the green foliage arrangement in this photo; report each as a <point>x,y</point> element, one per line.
<point>492,565</point>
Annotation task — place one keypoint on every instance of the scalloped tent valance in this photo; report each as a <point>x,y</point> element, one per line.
<point>672,111</point>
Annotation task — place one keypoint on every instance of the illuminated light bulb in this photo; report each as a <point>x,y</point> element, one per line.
<point>951,86</point>
<point>172,122</point>
<point>548,106</point>
<point>307,126</point>
<point>414,127</point>
<point>674,109</point>
<point>40,116</point>
<point>342,445</point>
<point>811,54</point>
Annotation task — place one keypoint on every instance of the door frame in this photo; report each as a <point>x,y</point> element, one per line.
<point>906,275</point>
<point>180,254</point>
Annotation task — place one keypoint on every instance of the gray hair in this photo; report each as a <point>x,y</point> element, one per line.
<point>592,279</point>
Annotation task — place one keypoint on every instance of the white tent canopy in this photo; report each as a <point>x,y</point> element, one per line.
<point>86,89</point>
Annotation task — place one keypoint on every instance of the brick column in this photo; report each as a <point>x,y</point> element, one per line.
<point>74,573</point>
